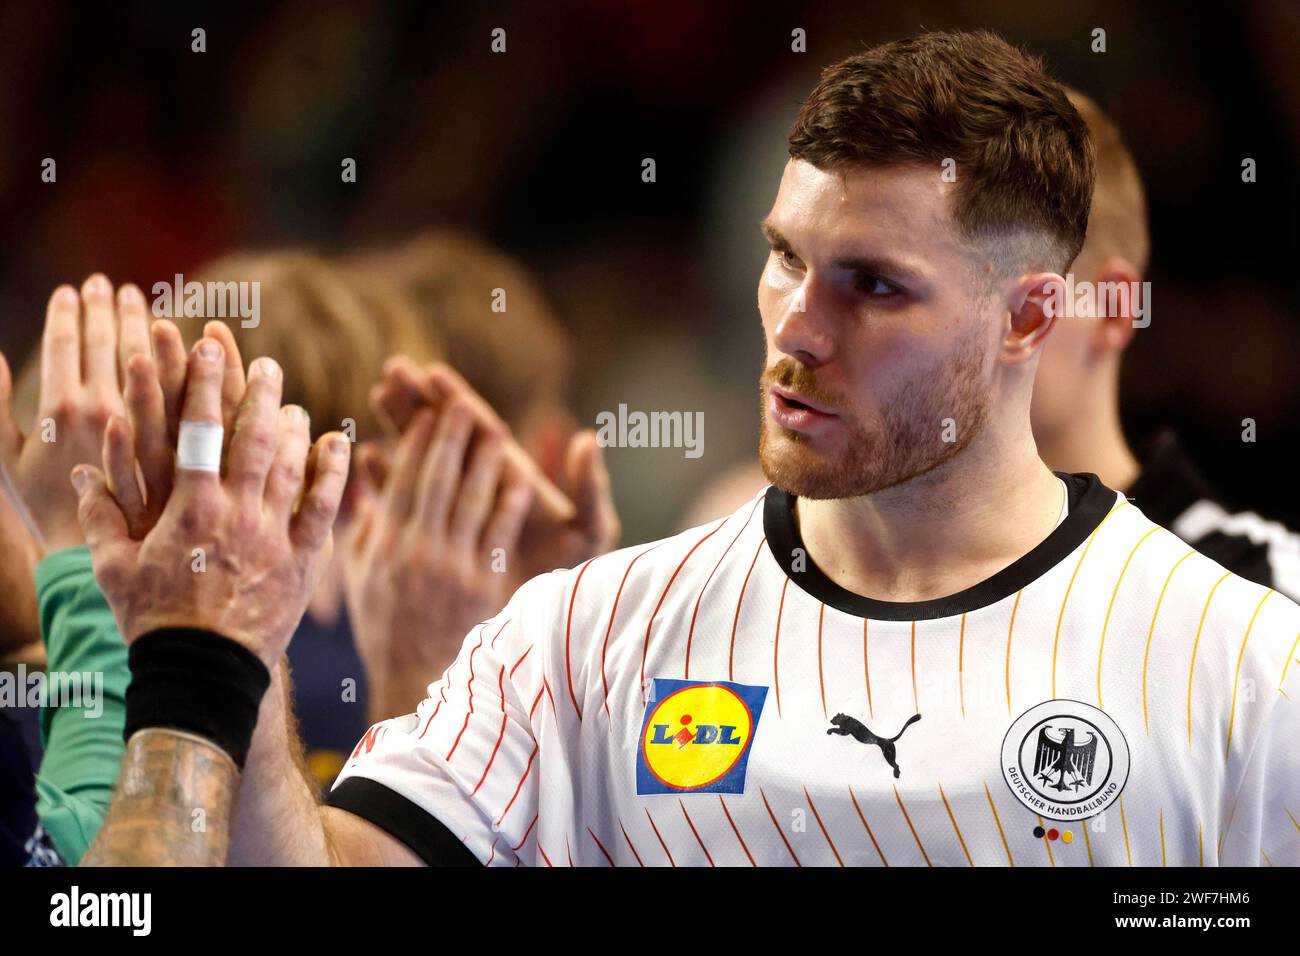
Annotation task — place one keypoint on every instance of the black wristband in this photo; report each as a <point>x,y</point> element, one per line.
<point>198,681</point>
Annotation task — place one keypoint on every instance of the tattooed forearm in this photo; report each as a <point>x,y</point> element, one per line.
<point>172,806</point>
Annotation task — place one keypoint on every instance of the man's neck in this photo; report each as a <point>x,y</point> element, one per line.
<point>938,534</point>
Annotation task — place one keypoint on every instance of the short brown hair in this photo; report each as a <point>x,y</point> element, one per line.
<point>1118,222</point>
<point>1023,155</point>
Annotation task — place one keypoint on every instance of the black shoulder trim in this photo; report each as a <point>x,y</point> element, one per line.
<point>1090,502</point>
<point>387,809</point>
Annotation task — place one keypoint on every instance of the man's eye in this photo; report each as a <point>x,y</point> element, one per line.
<point>876,286</point>
<point>788,258</point>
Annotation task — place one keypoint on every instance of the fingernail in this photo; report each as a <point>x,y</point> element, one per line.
<point>209,349</point>
<point>339,446</point>
<point>66,296</point>
<point>129,295</point>
<point>265,368</point>
<point>97,285</point>
<point>80,480</point>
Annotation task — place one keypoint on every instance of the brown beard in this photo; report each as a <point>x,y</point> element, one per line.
<point>907,443</point>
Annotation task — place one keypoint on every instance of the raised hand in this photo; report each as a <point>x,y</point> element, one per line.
<point>431,553</point>
<point>237,552</point>
<point>155,390</point>
<point>568,523</point>
<point>406,388</point>
<point>90,340</point>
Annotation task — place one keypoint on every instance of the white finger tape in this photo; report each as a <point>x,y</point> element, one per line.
<point>199,447</point>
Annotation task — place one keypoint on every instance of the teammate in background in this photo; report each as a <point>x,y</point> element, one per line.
<point>1076,396</point>
<point>1013,644</point>
<point>1075,411</point>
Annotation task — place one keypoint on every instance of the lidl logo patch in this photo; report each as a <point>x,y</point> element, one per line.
<point>696,736</point>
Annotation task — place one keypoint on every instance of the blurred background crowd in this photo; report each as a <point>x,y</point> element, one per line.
<point>525,168</point>
<point>169,158</point>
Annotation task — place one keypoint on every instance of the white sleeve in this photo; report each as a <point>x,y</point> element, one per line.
<point>460,773</point>
<point>1264,827</point>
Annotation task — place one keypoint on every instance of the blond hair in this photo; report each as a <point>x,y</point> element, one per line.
<point>1117,223</point>
<point>330,327</point>
<point>492,319</point>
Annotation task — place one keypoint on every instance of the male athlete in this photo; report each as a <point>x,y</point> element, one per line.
<point>1089,689</point>
<point>1076,403</point>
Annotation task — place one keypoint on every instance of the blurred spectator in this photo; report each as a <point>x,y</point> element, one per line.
<point>496,329</point>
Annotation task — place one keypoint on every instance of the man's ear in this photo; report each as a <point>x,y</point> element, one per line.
<point>1035,304</point>
<point>1115,326</point>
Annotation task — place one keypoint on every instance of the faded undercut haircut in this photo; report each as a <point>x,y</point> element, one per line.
<point>1023,156</point>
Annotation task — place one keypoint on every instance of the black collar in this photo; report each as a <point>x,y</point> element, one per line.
<point>1090,502</point>
<point>1169,483</point>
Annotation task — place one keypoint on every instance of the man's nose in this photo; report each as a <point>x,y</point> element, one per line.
<point>804,331</point>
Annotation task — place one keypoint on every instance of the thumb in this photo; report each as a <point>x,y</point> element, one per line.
<point>102,521</point>
<point>588,483</point>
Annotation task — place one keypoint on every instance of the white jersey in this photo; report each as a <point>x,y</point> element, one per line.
<point>1113,698</point>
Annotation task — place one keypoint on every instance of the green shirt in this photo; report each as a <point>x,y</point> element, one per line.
<point>83,745</point>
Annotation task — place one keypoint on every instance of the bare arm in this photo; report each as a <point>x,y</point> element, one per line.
<point>178,793</point>
<point>278,821</point>
<point>353,841</point>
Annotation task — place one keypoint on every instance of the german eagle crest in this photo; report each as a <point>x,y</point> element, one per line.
<point>1070,762</point>
<point>1065,759</point>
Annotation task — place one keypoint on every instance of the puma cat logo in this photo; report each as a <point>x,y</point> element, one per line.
<point>852,727</point>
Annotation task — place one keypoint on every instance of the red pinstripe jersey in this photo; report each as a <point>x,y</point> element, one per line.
<point>1112,698</point>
